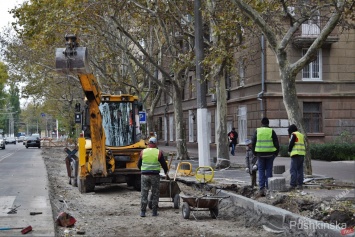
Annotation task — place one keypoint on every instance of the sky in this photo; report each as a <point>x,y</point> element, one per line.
<point>6,19</point>
<point>5,6</point>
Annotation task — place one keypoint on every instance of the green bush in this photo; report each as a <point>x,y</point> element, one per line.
<point>284,151</point>
<point>333,151</point>
<point>327,152</point>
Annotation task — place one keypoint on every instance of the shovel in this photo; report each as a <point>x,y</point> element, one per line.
<point>23,231</point>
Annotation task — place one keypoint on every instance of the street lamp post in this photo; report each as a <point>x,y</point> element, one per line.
<point>11,122</point>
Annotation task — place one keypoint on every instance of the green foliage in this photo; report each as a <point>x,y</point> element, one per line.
<point>336,151</point>
<point>283,151</point>
<point>333,151</point>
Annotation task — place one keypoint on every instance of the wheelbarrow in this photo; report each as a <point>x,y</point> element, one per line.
<point>168,189</point>
<point>203,203</point>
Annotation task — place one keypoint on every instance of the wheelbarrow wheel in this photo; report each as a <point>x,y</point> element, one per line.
<point>185,210</point>
<point>150,204</point>
<point>214,212</point>
<point>177,201</point>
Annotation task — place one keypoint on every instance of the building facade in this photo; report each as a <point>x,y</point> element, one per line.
<point>325,90</point>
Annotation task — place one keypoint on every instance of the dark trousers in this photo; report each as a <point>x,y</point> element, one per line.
<point>296,170</point>
<point>233,149</point>
<point>265,165</point>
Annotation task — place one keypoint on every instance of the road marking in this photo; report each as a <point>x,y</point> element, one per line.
<point>6,203</point>
<point>8,154</point>
<point>5,156</point>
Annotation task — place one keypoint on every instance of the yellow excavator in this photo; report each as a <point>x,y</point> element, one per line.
<point>110,144</point>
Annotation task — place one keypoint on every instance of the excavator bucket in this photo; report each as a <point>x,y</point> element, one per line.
<point>76,61</point>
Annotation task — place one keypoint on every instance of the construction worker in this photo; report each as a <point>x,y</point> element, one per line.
<point>297,151</point>
<point>265,148</point>
<point>150,162</point>
<point>250,162</point>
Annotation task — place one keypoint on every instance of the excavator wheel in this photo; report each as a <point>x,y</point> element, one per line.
<point>134,180</point>
<point>137,182</point>
<point>130,180</point>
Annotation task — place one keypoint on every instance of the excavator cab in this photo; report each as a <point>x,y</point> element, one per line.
<point>120,123</point>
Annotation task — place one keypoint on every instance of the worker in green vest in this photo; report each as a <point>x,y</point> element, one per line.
<point>265,148</point>
<point>150,162</point>
<point>297,151</point>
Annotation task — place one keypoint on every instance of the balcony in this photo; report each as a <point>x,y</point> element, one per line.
<point>308,32</point>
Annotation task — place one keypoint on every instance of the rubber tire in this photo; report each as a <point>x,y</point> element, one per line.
<point>130,180</point>
<point>279,169</point>
<point>185,210</point>
<point>150,204</point>
<point>214,212</point>
<point>137,182</point>
<point>176,201</point>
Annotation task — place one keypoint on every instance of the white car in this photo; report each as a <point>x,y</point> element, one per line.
<point>2,142</point>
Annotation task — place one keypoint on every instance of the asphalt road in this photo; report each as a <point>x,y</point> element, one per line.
<point>23,189</point>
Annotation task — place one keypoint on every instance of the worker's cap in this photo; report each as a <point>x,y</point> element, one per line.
<point>153,140</point>
<point>247,141</point>
<point>265,121</point>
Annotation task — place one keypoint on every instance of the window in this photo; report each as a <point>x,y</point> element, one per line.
<point>312,116</point>
<point>242,123</point>
<point>313,71</point>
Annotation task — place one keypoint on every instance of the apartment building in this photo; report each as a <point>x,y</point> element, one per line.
<point>325,89</point>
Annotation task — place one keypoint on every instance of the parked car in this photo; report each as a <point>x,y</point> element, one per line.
<point>2,142</point>
<point>33,142</point>
<point>10,140</point>
<point>21,138</point>
<point>24,140</point>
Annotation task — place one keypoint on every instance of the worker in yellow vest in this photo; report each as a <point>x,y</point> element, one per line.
<point>150,162</point>
<point>297,151</point>
<point>265,147</point>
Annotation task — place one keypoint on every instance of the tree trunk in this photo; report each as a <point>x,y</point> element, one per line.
<point>179,126</point>
<point>294,113</point>
<point>221,121</point>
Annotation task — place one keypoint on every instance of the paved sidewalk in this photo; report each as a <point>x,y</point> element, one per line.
<point>340,171</point>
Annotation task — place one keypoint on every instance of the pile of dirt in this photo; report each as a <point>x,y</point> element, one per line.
<point>333,211</point>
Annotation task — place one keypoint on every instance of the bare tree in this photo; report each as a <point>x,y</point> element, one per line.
<point>269,16</point>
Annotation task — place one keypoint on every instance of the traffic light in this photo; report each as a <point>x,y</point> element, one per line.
<point>77,107</point>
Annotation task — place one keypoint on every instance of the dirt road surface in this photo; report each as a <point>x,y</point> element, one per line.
<point>113,210</point>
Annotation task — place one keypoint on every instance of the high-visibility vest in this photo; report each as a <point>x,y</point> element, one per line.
<point>299,147</point>
<point>150,159</point>
<point>264,141</point>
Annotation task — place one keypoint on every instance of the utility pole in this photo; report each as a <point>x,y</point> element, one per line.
<point>202,126</point>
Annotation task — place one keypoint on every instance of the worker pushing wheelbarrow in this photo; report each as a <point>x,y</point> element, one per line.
<point>169,190</point>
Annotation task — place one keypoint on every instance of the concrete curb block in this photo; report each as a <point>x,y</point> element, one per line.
<point>287,221</point>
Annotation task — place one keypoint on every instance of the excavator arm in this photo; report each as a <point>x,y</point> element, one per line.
<point>73,59</point>
<point>98,149</point>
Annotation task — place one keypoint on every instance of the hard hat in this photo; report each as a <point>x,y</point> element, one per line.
<point>153,140</point>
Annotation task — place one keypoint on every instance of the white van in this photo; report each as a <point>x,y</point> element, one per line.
<point>35,135</point>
